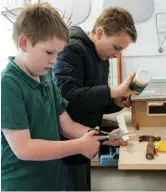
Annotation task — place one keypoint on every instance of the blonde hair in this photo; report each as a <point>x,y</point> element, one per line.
<point>40,21</point>
<point>116,20</point>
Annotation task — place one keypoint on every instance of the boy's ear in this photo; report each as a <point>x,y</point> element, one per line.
<point>23,42</point>
<point>99,33</point>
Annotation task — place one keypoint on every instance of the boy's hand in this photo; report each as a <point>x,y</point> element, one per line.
<point>123,102</point>
<point>116,142</point>
<point>90,144</point>
<point>123,89</point>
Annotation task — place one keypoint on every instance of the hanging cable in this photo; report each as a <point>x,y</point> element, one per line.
<point>161,42</point>
<point>89,11</point>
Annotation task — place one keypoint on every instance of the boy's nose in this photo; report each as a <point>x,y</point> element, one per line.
<point>52,61</point>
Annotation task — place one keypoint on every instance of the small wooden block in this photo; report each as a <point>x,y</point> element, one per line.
<point>122,126</point>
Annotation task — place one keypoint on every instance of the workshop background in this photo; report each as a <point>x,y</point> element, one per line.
<point>149,53</point>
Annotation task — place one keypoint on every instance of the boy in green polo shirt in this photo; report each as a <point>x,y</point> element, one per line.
<point>33,110</point>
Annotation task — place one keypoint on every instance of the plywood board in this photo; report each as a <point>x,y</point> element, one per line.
<point>132,156</point>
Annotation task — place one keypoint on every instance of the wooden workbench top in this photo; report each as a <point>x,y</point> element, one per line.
<point>132,156</point>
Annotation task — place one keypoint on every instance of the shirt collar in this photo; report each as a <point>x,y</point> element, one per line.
<point>33,83</point>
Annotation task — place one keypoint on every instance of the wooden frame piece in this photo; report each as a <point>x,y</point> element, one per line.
<point>119,69</point>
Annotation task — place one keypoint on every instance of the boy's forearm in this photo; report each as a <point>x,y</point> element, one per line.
<point>75,130</point>
<point>43,150</point>
<point>113,92</point>
<point>71,129</point>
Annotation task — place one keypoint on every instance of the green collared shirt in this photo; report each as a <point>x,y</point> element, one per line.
<point>28,104</point>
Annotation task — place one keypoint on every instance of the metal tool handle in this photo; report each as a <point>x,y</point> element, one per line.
<point>101,133</point>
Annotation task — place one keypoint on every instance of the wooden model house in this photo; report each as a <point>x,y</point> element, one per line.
<point>149,108</point>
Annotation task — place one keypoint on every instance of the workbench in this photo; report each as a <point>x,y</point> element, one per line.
<point>132,156</point>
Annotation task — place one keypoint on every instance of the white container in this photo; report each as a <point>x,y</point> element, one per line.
<point>141,80</point>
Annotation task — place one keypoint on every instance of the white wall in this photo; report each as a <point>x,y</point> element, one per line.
<point>144,53</point>
<point>147,42</point>
<point>156,65</point>
<point>96,9</point>
<point>7,48</point>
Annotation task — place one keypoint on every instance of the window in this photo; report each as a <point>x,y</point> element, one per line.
<point>156,108</point>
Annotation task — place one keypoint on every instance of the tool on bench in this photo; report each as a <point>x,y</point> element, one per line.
<point>109,155</point>
<point>150,150</point>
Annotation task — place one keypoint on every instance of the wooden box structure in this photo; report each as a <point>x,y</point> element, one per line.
<point>149,108</point>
